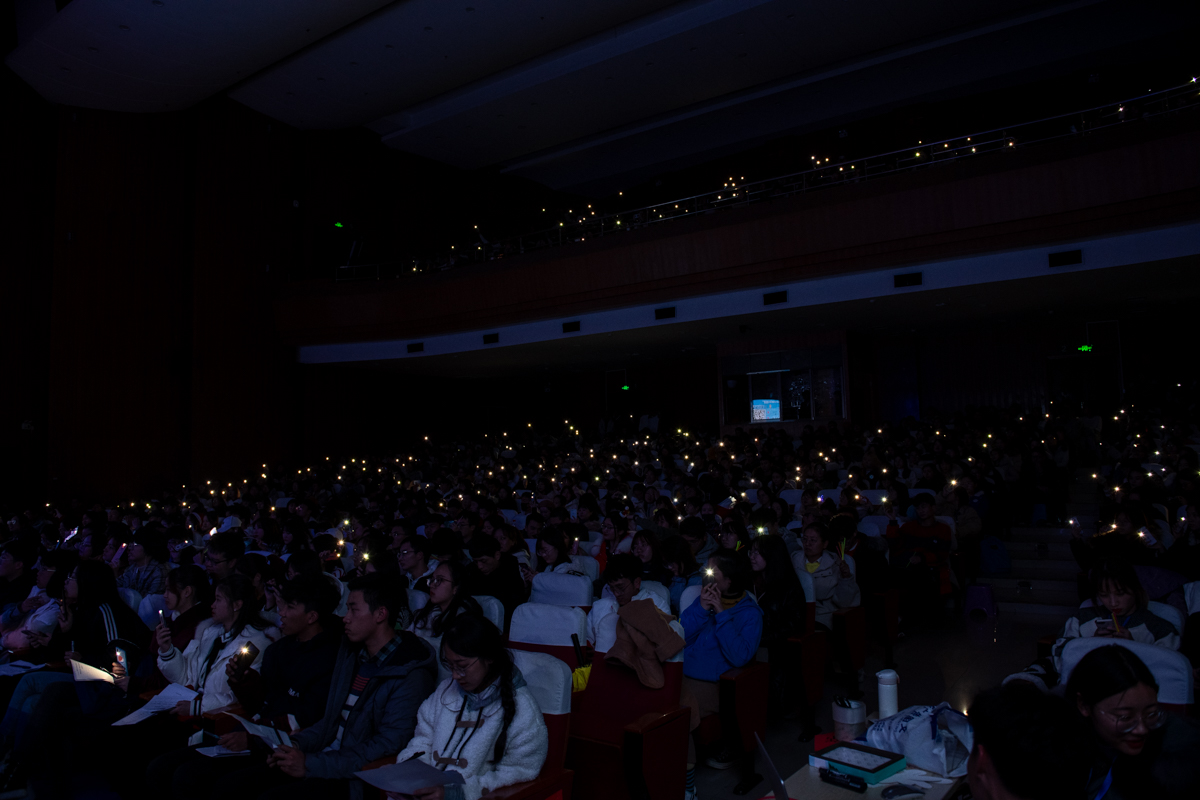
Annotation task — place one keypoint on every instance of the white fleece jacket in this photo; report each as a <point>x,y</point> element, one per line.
<point>184,668</point>
<point>524,753</point>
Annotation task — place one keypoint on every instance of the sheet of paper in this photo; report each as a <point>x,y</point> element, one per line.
<point>86,672</point>
<point>271,736</point>
<point>216,751</point>
<point>408,776</point>
<point>165,700</point>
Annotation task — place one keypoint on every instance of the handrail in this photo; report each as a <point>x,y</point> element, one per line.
<point>593,224</point>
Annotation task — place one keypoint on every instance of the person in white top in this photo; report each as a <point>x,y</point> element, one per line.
<point>623,577</point>
<point>236,627</point>
<point>38,613</point>
<point>482,721</point>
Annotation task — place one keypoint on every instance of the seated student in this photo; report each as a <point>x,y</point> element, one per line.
<point>188,600</point>
<point>1144,751</point>
<point>920,550</point>
<point>17,558</point>
<point>448,597</point>
<point>645,547</point>
<point>723,628</point>
<point>623,578</point>
<point>685,572</point>
<point>201,665</point>
<point>224,549</point>
<point>513,544</point>
<point>379,681</point>
<point>496,574</point>
<point>553,554</point>
<point>294,680</point>
<point>483,721</point>
<point>1027,746</point>
<point>414,560</point>
<point>834,586</point>
<point>148,557</point>
<point>695,532</point>
<point>36,617</point>
<point>1119,611</point>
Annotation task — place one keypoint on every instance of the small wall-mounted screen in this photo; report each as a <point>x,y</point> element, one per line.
<point>764,410</point>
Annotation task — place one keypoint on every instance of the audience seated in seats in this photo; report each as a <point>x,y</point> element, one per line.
<point>553,554</point>
<point>482,722</point>
<point>623,580</point>
<point>380,679</point>
<point>919,553</point>
<point>513,544</point>
<point>1027,746</point>
<point>723,629</point>
<point>188,599</point>
<point>834,586</point>
<point>1144,751</point>
<point>446,545</point>
<point>1125,540</point>
<point>496,574</point>
<point>293,680</point>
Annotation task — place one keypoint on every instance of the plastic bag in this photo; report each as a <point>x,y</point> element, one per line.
<point>934,738</point>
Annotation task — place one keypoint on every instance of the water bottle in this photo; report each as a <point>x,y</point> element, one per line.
<point>889,694</point>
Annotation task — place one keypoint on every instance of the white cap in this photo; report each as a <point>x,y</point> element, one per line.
<point>888,677</point>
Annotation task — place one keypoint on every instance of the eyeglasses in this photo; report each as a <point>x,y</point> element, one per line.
<point>461,669</point>
<point>1152,719</point>
<point>212,562</point>
<point>438,581</point>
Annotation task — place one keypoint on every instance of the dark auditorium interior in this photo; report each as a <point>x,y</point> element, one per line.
<point>661,400</point>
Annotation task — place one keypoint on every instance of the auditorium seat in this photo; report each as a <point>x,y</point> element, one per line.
<point>628,741</point>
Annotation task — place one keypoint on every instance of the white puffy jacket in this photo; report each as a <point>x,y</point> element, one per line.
<point>437,735</point>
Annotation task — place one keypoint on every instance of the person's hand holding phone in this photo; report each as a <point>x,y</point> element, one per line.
<point>120,677</point>
<point>162,635</point>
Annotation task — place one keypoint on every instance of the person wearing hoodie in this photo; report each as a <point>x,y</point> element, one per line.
<point>380,679</point>
<point>483,721</point>
<point>834,586</point>
<point>722,628</point>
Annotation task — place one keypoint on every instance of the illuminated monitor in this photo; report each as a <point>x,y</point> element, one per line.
<point>764,410</point>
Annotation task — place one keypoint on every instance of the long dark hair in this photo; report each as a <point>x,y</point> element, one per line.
<point>554,537</point>
<point>472,636</point>
<point>462,602</point>
<point>194,576</point>
<point>238,587</point>
<point>780,575</point>
<point>1107,671</point>
<point>95,585</point>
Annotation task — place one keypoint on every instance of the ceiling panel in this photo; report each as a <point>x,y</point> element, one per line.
<point>156,55</point>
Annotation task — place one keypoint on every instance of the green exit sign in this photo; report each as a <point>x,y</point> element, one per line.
<point>1087,348</point>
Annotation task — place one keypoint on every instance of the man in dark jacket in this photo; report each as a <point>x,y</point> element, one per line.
<point>379,681</point>
<point>496,574</point>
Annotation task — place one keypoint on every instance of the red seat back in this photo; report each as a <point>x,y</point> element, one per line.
<point>615,697</point>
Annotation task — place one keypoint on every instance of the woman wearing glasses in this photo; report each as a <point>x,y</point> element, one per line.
<point>447,600</point>
<point>482,721</point>
<point>1144,751</point>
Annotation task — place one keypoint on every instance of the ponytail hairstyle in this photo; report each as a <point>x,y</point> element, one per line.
<point>472,636</point>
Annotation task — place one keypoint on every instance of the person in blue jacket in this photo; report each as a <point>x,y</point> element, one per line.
<point>723,627</point>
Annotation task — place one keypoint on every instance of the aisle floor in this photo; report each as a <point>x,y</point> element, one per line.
<point>952,663</point>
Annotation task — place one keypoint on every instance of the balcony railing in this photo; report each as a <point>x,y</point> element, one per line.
<point>593,224</point>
